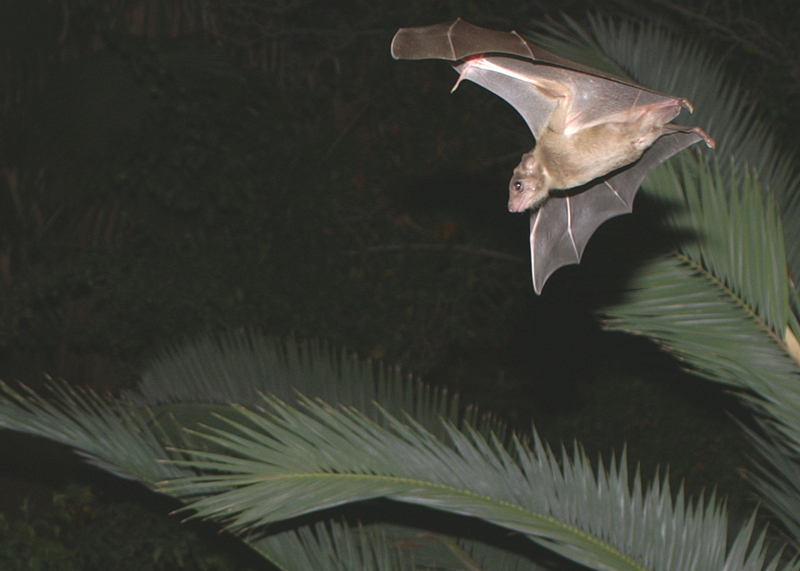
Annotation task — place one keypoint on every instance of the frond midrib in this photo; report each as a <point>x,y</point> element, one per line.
<point>415,483</point>
<point>734,297</point>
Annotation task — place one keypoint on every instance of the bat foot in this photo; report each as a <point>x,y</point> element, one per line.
<point>711,143</point>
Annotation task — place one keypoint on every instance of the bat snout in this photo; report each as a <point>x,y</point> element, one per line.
<point>526,199</point>
<point>516,206</point>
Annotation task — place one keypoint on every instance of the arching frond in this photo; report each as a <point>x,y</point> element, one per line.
<point>266,467</point>
<point>113,435</point>
<point>334,546</point>
<point>720,303</point>
<point>237,366</point>
<point>736,248</point>
<point>778,479</point>
<point>289,462</point>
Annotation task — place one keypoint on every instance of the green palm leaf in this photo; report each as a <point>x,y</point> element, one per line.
<point>721,302</point>
<point>737,252</point>
<point>289,462</point>
<point>267,467</point>
<point>238,366</point>
<point>113,435</point>
<point>707,302</point>
<point>334,546</point>
<point>316,457</point>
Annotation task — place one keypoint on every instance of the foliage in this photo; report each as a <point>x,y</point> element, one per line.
<point>33,544</point>
<point>81,532</point>
<point>721,299</point>
<point>254,467</point>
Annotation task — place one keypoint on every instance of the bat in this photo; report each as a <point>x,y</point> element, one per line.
<point>597,136</point>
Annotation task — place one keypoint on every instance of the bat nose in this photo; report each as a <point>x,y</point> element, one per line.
<point>517,204</point>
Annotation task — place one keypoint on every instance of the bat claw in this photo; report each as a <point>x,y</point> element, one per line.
<point>712,144</point>
<point>462,74</point>
<point>458,82</point>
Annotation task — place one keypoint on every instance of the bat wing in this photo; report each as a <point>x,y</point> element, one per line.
<point>458,40</point>
<point>532,90</point>
<point>561,228</point>
<point>533,80</point>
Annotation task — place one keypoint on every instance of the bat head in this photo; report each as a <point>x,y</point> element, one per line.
<point>529,186</point>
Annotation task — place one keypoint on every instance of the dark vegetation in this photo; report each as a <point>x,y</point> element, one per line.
<point>174,168</point>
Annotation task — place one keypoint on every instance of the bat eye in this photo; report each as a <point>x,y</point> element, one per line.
<point>518,185</point>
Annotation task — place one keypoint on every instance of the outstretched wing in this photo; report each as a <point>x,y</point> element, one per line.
<point>561,228</point>
<point>533,80</point>
<point>458,40</point>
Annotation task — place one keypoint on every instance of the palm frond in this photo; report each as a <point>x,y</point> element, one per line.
<point>289,462</point>
<point>113,435</point>
<point>720,303</point>
<point>778,479</point>
<point>130,441</point>
<point>300,459</point>
<point>334,546</point>
<point>238,366</point>
<point>738,251</point>
<point>739,240</point>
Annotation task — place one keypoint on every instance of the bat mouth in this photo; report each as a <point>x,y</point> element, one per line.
<point>520,205</point>
<point>524,203</point>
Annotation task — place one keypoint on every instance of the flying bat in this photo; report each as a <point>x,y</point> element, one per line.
<point>597,136</point>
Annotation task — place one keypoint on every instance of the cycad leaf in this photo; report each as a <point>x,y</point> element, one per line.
<point>334,546</point>
<point>721,302</point>
<point>778,481</point>
<point>735,247</point>
<point>289,462</point>
<point>113,435</point>
<point>293,461</point>
<point>129,441</point>
<point>236,367</point>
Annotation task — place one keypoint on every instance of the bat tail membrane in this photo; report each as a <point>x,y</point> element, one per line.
<point>561,228</point>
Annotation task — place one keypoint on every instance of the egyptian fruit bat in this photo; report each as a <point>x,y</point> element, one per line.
<point>597,136</point>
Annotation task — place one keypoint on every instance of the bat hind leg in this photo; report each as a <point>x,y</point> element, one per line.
<point>670,128</point>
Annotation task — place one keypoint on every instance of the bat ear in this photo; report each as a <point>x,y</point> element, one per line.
<point>528,163</point>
